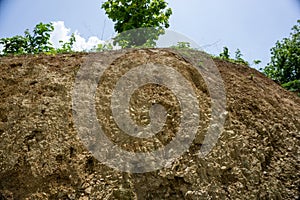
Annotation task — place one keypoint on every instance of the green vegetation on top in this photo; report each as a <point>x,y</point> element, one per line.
<point>225,55</point>
<point>36,42</point>
<point>284,67</point>
<point>138,22</point>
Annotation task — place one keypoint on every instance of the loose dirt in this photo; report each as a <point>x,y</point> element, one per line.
<point>42,156</point>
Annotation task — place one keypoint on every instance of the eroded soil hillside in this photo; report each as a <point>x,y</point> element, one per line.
<point>42,157</point>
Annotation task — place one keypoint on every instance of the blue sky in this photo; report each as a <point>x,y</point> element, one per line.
<point>253,26</point>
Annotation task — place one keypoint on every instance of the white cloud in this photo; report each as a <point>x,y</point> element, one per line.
<point>83,44</point>
<point>62,33</point>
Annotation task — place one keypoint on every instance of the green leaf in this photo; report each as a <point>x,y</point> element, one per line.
<point>284,66</point>
<point>135,14</point>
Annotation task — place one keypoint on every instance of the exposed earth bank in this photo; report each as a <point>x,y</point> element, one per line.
<point>42,156</point>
